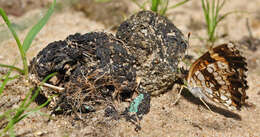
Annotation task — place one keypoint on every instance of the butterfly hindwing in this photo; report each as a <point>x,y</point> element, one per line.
<point>220,73</point>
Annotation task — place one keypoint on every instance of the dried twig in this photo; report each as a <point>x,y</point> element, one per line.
<point>60,89</point>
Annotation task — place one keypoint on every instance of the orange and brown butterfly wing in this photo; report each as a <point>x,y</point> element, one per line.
<point>221,75</point>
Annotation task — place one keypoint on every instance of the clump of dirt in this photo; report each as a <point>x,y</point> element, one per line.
<point>91,67</point>
<point>158,46</point>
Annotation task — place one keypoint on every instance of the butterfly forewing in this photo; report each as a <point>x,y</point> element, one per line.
<point>220,75</point>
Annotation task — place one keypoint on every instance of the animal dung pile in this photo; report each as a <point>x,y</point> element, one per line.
<point>97,68</point>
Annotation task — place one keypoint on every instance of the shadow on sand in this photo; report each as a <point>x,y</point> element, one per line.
<point>225,112</point>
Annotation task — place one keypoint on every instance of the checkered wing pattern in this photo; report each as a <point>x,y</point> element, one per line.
<point>219,75</point>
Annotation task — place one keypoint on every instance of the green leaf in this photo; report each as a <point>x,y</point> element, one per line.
<point>36,28</point>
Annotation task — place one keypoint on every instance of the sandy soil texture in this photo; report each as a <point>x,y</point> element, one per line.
<point>189,117</point>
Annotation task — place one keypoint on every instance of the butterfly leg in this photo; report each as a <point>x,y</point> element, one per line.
<point>205,104</point>
<point>179,95</point>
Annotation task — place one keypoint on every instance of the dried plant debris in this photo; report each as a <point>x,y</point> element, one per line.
<point>157,45</point>
<point>96,69</point>
<point>111,111</point>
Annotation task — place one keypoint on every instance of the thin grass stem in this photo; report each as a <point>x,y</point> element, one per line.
<point>23,56</point>
<point>178,4</point>
<point>12,67</point>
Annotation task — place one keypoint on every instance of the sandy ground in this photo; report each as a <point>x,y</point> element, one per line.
<point>186,118</point>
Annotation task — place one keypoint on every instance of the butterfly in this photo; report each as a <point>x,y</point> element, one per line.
<point>219,76</point>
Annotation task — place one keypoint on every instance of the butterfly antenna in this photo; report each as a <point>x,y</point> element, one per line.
<point>183,85</point>
<point>189,34</point>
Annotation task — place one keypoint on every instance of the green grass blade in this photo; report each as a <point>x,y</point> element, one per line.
<point>8,23</point>
<point>38,89</point>
<point>11,132</point>
<point>21,108</point>
<point>164,7</point>
<point>213,9</point>
<point>36,28</point>
<point>217,10</point>
<point>24,106</point>
<point>155,5</point>
<point>139,5</point>
<point>19,115</point>
<point>10,78</point>
<point>42,105</point>
<point>26,98</point>
<point>6,114</point>
<point>225,15</point>
<point>206,13</point>
<point>213,22</point>
<point>23,56</point>
<point>144,4</point>
<point>12,67</point>
<point>34,110</point>
<point>6,79</point>
<point>209,16</point>
<point>222,4</point>
<point>9,125</point>
<point>205,10</point>
<point>178,4</point>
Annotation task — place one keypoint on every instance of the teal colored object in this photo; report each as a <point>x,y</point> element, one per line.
<point>87,107</point>
<point>134,105</point>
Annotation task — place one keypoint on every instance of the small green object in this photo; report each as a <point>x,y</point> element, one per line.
<point>134,105</point>
<point>87,107</point>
